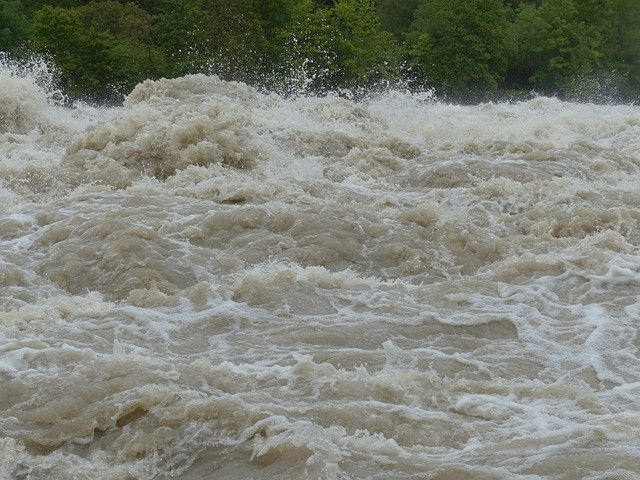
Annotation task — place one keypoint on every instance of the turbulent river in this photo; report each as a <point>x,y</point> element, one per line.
<point>209,282</point>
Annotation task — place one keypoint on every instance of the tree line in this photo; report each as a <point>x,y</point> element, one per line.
<point>464,49</point>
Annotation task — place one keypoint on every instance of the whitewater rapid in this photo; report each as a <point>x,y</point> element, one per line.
<point>209,282</point>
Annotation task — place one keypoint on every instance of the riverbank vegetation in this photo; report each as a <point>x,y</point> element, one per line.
<point>464,49</point>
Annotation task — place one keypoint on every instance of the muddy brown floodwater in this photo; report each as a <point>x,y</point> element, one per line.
<point>209,282</point>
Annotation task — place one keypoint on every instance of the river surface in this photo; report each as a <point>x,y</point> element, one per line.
<point>209,282</point>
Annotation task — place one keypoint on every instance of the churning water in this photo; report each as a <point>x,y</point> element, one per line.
<point>209,282</point>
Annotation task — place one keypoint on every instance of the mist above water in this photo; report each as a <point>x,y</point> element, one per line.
<point>213,282</point>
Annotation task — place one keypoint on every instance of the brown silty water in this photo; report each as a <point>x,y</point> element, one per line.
<point>209,282</point>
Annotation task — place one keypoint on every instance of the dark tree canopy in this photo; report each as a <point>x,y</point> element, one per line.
<point>468,37</point>
<point>13,25</point>
<point>467,49</point>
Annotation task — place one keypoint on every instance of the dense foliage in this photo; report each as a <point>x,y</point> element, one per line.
<point>467,49</point>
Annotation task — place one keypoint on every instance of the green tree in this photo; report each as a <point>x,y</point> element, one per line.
<point>554,45</point>
<point>342,46</point>
<point>58,32</point>
<point>101,49</point>
<point>126,31</point>
<point>368,53</point>
<point>465,48</point>
<point>459,46</point>
<point>276,14</point>
<point>13,25</point>
<point>181,27</point>
<point>32,5</point>
<point>223,37</point>
<point>396,16</point>
<point>623,45</point>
